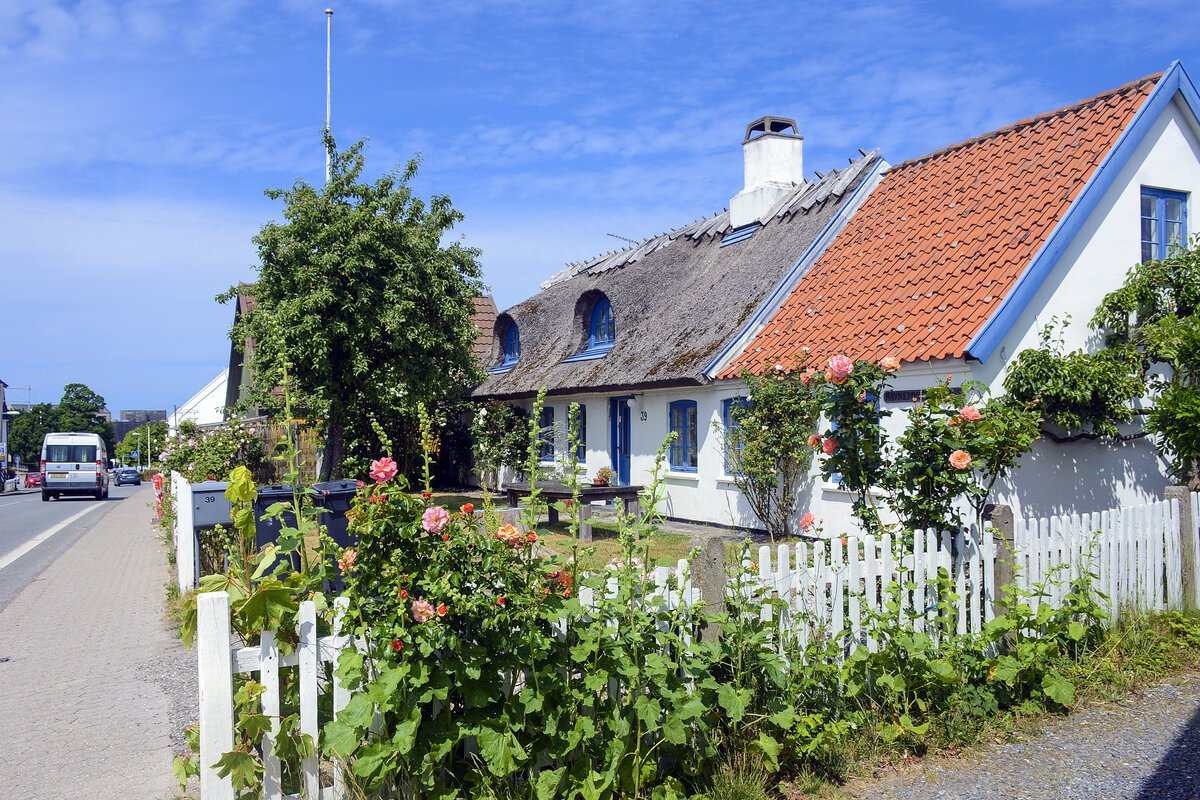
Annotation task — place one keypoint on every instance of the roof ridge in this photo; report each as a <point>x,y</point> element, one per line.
<point>1128,87</point>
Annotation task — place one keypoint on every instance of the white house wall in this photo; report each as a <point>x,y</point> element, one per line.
<point>1089,475</point>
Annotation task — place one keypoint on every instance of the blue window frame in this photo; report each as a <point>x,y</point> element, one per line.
<point>1164,222</point>
<point>602,332</point>
<point>546,433</point>
<point>731,424</point>
<point>684,450</point>
<point>512,346</point>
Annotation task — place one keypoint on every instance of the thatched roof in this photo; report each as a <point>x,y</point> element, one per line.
<point>677,299</point>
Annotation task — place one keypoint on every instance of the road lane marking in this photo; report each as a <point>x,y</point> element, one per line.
<point>12,556</point>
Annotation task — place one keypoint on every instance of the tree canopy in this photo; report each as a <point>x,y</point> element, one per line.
<point>361,301</point>
<point>78,410</point>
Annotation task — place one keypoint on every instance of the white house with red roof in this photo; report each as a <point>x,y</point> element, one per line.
<point>957,260</point>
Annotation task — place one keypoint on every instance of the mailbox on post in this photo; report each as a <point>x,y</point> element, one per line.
<point>210,508</point>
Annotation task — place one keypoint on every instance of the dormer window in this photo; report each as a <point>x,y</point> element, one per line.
<point>512,346</point>
<point>596,326</point>
<point>510,352</point>
<point>603,331</point>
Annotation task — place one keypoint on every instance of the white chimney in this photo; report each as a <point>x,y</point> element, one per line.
<point>774,155</point>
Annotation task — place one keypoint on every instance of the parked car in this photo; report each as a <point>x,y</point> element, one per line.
<point>33,480</point>
<point>128,475</point>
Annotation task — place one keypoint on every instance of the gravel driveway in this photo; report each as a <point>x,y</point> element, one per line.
<point>1147,748</point>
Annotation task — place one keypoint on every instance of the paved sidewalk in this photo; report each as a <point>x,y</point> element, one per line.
<point>80,714</point>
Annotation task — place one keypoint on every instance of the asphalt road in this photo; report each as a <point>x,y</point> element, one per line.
<point>24,518</point>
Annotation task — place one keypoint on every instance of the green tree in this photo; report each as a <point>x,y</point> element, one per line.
<point>26,431</point>
<point>766,448</point>
<point>78,410</point>
<point>155,433</point>
<point>362,299</point>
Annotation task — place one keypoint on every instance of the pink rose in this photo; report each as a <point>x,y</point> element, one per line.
<point>422,610</point>
<point>969,413</point>
<point>828,444</point>
<point>841,366</point>
<point>383,469</point>
<point>806,521</point>
<point>434,519</point>
<point>959,459</point>
<point>890,363</point>
<point>814,441</point>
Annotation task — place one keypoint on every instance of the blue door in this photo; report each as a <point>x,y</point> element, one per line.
<point>618,416</point>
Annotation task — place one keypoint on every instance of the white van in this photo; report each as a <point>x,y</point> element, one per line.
<point>74,463</point>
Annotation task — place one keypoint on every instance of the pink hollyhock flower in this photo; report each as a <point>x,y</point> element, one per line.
<point>890,363</point>
<point>509,535</point>
<point>814,441</point>
<point>422,610</point>
<point>841,366</point>
<point>807,521</point>
<point>383,469</point>
<point>441,609</point>
<point>828,444</point>
<point>250,431</point>
<point>970,413</point>
<point>426,495</point>
<point>434,519</point>
<point>346,562</point>
<point>404,594</point>
<point>959,459</point>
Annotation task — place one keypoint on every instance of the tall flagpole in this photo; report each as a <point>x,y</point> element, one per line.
<point>328,40</point>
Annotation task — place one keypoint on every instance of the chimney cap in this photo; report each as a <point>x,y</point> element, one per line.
<point>773,126</point>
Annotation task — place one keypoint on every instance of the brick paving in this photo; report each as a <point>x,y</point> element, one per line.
<point>81,713</point>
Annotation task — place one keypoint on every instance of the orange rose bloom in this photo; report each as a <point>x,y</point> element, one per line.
<point>959,459</point>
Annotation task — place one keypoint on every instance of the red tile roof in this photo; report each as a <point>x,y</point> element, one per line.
<point>930,254</point>
<point>485,314</point>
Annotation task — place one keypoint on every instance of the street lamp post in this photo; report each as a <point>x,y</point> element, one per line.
<point>139,459</point>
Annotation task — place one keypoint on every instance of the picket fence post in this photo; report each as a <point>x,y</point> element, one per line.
<point>215,658</point>
<point>1003,523</point>
<point>185,537</point>
<point>1186,536</point>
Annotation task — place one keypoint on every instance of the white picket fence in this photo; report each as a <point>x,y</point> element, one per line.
<point>827,588</point>
<point>1135,552</point>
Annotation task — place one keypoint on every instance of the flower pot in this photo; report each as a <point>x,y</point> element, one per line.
<point>599,482</point>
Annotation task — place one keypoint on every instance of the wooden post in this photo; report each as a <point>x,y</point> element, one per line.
<point>585,522</point>
<point>215,660</point>
<point>1003,524</point>
<point>708,575</point>
<point>1187,545</point>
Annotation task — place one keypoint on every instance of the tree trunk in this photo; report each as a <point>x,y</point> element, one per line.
<point>335,451</point>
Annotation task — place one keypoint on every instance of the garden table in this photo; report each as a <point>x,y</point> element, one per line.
<point>553,490</point>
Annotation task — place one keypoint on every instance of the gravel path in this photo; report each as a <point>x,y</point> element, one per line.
<point>1147,748</point>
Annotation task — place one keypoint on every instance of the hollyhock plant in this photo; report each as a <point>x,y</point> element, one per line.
<point>422,610</point>
<point>383,469</point>
<point>434,519</point>
<point>346,562</point>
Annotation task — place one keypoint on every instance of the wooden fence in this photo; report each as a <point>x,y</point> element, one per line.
<point>1144,558</point>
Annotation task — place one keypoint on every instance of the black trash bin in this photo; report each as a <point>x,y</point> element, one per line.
<point>335,498</point>
<point>266,531</point>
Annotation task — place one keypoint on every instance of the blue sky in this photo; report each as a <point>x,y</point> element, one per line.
<point>138,136</point>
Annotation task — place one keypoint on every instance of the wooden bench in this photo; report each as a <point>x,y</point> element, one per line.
<point>552,491</point>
